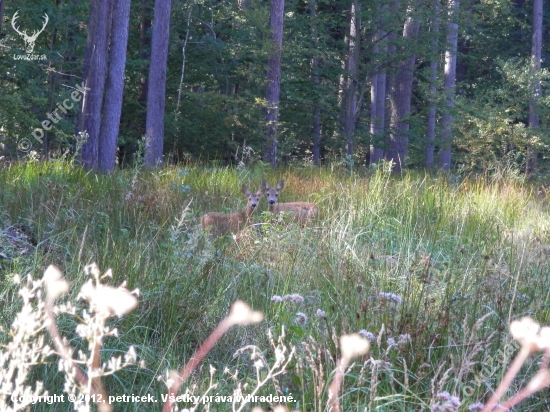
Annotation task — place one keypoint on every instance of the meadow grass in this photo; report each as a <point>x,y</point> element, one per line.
<point>435,269</point>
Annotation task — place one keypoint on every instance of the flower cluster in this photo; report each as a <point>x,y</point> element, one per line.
<point>292,298</point>
<point>367,335</point>
<point>530,334</point>
<point>391,297</point>
<point>447,403</point>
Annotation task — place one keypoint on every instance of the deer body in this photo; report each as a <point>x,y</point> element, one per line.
<point>223,223</point>
<point>303,211</point>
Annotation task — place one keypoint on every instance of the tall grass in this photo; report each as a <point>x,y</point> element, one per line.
<point>454,253</point>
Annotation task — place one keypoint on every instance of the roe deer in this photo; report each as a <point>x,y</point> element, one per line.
<point>223,223</point>
<point>302,210</point>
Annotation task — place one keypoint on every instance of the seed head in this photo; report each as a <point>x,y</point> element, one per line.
<point>353,345</point>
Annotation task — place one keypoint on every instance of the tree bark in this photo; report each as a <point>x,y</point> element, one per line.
<point>52,80</point>
<point>2,4</point>
<point>378,97</point>
<point>536,49</point>
<point>183,61</point>
<point>354,48</point>
<point>316,81</point>
<point>115,86</point>
<point>273,80</point>
<point>401,100</point>
<point>449,87</point>
<point>430,134</point>
<point>95,66</point>
<point>390,74</point>
<point>144,46</point>
<point>154,126</point>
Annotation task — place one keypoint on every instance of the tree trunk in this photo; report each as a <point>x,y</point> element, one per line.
<point>378,97</point>
<point>390,74</point>
<point>154,126</point>
<point>401,100</point>
<point>338,121</point>
<point>536,49</point>
<point>378,115</point>
<point>449,87</point>
<point>144,46</point>
<point>52,80</point>
<point>51,101</point>
<point>273,80</point>
<point>316,81</point>
<point>2,4</point>
<point>354,48</point>
<point>430,134</point>
<point>95,66</point>
<point>183,61</point>
<point>115,86</point>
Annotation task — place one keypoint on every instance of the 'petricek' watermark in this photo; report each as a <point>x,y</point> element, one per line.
<point>25,144</point>
<point>491,366</point>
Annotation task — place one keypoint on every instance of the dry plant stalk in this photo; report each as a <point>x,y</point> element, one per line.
<point>282,357</point>
<point>25,348</point>
<point>27,334</point>
<point>533,338</point>
<point>350,346</point>
<point>240,314</point>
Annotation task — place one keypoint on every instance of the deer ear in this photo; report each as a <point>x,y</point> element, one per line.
<point>245,190</point>
<point>281,184</point>
<point>265,184</point>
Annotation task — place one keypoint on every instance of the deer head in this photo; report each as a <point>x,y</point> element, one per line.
<point>29,40</point>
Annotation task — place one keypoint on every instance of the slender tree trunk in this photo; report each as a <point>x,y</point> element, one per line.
<point>449,87</point>
<point>536,49</point>
<point>51,102</point>
<point>154,127</point>
<point>2,4</point>
<point>378,97</point>
<point>95,66</point>
<point>184,57</point>
<point>350,116</point>
<point>342,84</point>
<point>273,78</point>
<point>115,86</point>
<point>52,79</point>
<point>378,116</point>
<point>401,100</point>
<point>430,134</point>
<point>144,45</point>
<point>391,70</point>
<point>316,81</point>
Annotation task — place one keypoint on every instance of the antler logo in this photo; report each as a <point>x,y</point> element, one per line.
<point>29,40</point>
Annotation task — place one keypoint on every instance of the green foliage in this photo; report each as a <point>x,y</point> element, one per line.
<point>493,128</point>
<point>221,107</point>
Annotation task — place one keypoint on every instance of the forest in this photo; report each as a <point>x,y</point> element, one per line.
<point>425,85</point>
<point>274,206</point>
